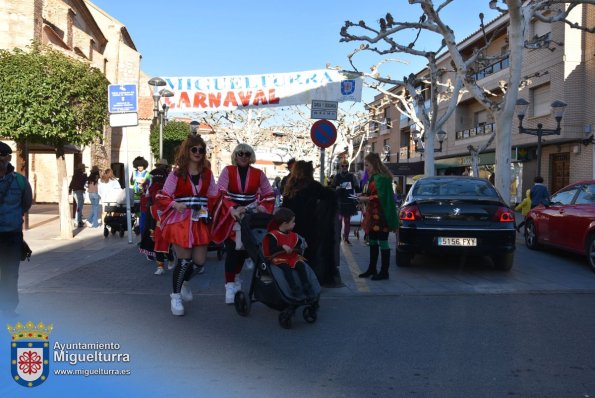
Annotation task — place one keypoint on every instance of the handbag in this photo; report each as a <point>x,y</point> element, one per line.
<point>25,252</point>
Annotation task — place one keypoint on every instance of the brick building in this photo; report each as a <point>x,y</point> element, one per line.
<point>566,73</point>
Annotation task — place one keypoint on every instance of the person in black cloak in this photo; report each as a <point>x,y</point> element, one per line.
<point>316,220</point>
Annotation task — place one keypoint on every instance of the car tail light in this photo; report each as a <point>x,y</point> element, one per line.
<point>410,213</point>
<point>504,214</point>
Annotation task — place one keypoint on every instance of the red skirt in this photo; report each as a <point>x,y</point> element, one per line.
<point>186,233</point>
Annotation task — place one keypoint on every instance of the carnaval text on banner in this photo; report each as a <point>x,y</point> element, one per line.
<point>258,91</point>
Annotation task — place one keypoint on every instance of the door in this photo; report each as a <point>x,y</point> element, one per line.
<point>560,171</point>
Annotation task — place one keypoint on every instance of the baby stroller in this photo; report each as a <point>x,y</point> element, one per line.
<point>268,284</point>
<point>115,214</point>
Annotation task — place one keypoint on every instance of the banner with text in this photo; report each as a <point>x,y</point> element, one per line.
<point>222,93</point>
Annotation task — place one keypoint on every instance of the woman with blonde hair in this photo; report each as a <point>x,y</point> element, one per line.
<point>380,217</point>
<point>184,215</point>
<point>240,185</point>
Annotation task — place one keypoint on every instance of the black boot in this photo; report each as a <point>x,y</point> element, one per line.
<point>374,250</point>
<point>385,259</point>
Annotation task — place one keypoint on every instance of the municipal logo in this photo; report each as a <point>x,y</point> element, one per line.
<point>30,353</point>
<point>347,87</point>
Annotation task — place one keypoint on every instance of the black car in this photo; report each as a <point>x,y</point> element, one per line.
<point>456,215</point>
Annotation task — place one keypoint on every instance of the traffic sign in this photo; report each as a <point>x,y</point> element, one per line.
<point>324,109</point>
<point>123,119</point>
<point>323,133</point>
<point>122,98</point>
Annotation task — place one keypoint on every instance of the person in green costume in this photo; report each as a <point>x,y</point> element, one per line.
<point>380,215</point>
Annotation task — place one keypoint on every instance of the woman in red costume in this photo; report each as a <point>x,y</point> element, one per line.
<point>184,215</point>
<point>239,185</point>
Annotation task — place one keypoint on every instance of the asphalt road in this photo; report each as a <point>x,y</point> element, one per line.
<point>428,332</point>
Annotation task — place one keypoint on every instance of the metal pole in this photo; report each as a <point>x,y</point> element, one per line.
<point>539,152</point>
<point>127,187</point>
<point>322,166</point>
<point>160,135</point>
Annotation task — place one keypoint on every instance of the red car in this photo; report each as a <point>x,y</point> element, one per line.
<point>567,223</point>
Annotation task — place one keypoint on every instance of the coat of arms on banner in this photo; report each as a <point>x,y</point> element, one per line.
<point>347,87</point>
<point>30,353</point>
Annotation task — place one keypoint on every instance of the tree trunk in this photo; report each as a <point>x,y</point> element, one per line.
<point>429,153</point>
<point>503,145</point>
<point>63,205</point>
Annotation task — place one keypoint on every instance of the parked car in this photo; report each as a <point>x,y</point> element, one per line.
<point>568,222</point>
<point>456,215</point>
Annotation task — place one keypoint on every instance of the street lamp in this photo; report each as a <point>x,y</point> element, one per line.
<point>558,108</point>
<point>419,137</point>
<point>160,112</point>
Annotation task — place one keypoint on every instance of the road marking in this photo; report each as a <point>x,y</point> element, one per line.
<point>361,284</point>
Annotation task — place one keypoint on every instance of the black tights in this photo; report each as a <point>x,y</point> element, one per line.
<point>183,272</point>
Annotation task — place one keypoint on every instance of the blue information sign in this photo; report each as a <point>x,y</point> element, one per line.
<point>323,133</point>
<point>122,98</point>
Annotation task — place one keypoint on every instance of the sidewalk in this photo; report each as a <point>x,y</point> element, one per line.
<point>91,262</point>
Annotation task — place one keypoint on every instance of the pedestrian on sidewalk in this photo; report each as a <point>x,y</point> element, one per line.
<point>15,201</point>
<point>347,186</point>
<point>185,214</point>
<point>92,188</point>
<point>539,193</point>
<point>380,217</point>
<point>77,188</point>
<point>524,207</point>
<point>240,185</point>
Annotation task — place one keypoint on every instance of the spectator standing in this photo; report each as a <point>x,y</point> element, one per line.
<point>77,188</point>
<point>183,203</point>
<point>15,201</point>
<point>239,185</point>
<point>380,217</point>
<point>346,185</point>
<point>315,208</point>
<point>539,193</point>
<point>290,164</point>
<point>92,188</point>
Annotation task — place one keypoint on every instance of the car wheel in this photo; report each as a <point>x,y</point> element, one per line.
<point>404,259</point>
<point>531,236</point>
<point>591,251</point>
<point>503,262</point>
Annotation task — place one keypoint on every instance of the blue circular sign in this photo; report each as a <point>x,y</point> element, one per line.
<point>323,133</point>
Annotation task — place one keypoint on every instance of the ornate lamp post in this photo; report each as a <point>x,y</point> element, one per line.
<point>160,112</point>
<point>558,108</point>
<point>194,127</point>
<point>418,138</point>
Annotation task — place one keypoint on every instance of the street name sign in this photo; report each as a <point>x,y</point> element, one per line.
<point>323,133</point>
<point>122,98</point>
<point>324,109</point>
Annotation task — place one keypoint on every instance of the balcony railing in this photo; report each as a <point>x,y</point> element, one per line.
<point>493,68</point>
<point>484,129</point>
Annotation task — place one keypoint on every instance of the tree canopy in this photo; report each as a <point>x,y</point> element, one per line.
<point>50,98</point>
<point>174,132</point>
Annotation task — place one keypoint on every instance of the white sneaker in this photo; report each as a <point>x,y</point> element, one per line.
<point>171,264</point>
<point>237,283</point>
<point>177,308</point>
<point>230,292</point>
<point>186,292</point>
<point>88,224</point>
<point>159,271</point>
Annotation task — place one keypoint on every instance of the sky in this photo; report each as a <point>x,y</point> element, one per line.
<point>228,38</point>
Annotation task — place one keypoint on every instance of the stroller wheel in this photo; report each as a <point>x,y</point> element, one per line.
<point>121,233</point>
<point>242,303</point>
<point>105,232</point>
<point>285,319</point>
<point>310,314</point>
<point>113,231</point>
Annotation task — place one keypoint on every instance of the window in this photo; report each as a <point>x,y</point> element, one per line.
<point>540,99</point>
<point>586,195</point>
<point>564,198</point>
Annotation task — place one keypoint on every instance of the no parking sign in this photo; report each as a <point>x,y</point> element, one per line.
<point>323,133</point>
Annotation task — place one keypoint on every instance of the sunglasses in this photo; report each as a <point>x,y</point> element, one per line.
<point>244,154</point>
<point>198,149</point>
<point>3,154</point>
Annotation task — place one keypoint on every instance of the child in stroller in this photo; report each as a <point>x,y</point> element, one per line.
<point>274,282</point>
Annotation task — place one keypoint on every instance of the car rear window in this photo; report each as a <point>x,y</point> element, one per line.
<point>460,187</point>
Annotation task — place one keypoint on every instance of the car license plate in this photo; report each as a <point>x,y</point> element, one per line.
<point>457,241</point>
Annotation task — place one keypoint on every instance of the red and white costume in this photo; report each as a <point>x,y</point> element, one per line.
<point>257,190</point>
<point>178,227</point>
<point>272,246</point>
